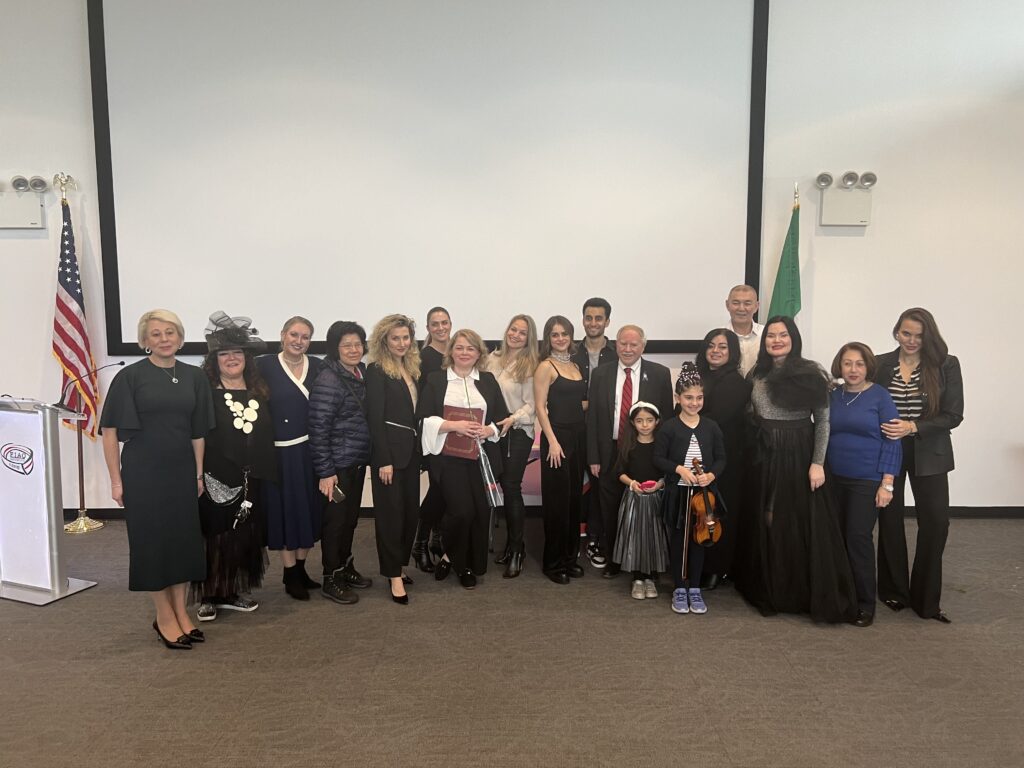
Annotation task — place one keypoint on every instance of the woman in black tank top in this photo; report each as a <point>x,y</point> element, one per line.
<point>560,393</point>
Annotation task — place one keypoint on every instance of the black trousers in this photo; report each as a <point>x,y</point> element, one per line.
<point>561,489</point>
<point>694,559</point>
<point>467,513</point>
<point>432,507</point>
<point>396,508</point>
<point>858,514</point>
<point>339,520</point>
<point>922,589</point>
<point>515,449</point>
<point>609,491</point>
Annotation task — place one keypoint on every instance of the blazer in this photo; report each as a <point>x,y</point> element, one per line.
<point>396,443</point>
<point>582,359</point>
<point>655,388</point>
<point>432,404</point>
<point>933,447</point>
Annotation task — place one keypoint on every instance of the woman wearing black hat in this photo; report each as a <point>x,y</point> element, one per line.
<point>239,454</point>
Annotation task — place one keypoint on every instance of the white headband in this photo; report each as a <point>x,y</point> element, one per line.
<point>642,404</point>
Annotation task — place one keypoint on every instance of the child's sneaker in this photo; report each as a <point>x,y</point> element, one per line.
<point>637,592</point>
<point>679,603</point>
<point>650,591</point>
<point>697,604</point>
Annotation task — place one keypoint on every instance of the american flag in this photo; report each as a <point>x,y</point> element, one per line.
<point>70,333</point>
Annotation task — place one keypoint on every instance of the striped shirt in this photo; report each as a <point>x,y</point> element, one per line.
<point>909,397</point>
<point>692,452</point>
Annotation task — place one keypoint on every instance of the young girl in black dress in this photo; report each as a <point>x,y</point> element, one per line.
<point>640,544</point>
<point>678,442</point>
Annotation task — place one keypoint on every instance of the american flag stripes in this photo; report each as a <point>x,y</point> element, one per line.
<point>70,333</point>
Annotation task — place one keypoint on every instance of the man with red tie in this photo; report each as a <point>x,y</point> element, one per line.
<point>613,390</point>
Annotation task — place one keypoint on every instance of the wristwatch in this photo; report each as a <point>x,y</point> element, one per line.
<point>888,487</point>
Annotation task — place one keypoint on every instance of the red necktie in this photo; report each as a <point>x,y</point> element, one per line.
<point>359,374</point>
<point>627,400</point>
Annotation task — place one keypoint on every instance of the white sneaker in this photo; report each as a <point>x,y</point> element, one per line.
<point>206,612</point>
<point>239,603</point>
<point>650,590</point>
<point>637,593</point>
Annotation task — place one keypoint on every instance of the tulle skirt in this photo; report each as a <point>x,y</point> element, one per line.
<point>792,557</point>
<point>640,544</point>
<point>236,558</point>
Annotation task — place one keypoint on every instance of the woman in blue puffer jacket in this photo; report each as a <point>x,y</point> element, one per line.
<point>339,440</point>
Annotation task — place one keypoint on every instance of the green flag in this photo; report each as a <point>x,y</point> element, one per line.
<point>786,293</point>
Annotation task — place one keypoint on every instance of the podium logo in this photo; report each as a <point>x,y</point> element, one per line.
<point>17,458</point>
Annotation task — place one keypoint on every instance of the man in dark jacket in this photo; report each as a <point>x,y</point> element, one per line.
<point>613,389</point>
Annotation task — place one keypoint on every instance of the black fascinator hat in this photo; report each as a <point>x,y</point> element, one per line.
<point>225,332</point>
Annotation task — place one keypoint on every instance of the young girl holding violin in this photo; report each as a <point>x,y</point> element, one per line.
<point>677,444</point>
<point>640,543</point>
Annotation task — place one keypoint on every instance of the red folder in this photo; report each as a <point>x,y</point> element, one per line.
<point>459,445</point>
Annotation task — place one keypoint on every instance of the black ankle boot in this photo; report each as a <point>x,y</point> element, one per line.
<point>307,582</point>
<point>293,583</point>
<point>436,546</point>
<point>504,557</point>
<point>515,565</point>
<point>421,556</point>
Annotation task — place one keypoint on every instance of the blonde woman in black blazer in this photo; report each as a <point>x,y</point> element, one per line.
<point>928,389</point>
<point>391,394</point>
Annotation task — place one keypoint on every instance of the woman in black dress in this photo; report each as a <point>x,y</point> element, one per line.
<point>726,397</point>
<point>459,410</point>
<point>560,395</point>
<point>239,455</point>
<point>161,409</point>
<point>793,556</point>
<point>926,384</point>
<point>428,531</point>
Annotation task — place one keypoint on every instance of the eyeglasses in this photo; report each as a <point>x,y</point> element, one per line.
<point>351,345</point>
<point>231,353</point>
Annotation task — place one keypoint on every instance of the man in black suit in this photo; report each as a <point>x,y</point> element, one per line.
<point>613,389</point>
<point>595,350</point>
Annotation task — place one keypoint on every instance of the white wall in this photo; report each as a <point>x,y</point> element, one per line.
<point>930,96</point>
<point>935,106</point>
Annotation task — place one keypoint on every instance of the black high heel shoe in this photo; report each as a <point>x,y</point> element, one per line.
<point>896,605</point>
<point>407,580</point>
<point>197,636</point>
<point>400,599</point>
<point>181,644</point>
<point>504,557</point>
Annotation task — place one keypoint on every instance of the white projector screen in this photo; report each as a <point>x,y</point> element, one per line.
<point>343,159</point>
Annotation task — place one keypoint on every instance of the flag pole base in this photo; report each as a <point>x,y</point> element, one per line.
<point>82,524</point>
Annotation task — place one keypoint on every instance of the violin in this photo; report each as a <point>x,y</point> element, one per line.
<point>707,527</point>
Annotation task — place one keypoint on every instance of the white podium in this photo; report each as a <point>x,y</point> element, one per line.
<point>31,504</point>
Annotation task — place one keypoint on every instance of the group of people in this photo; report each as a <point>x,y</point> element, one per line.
<point>783,466</point>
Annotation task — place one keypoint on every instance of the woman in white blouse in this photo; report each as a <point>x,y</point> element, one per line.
<point>513,365</point>
<point>460,408</point>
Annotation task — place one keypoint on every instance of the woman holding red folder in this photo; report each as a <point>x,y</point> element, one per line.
<point>459,407</point>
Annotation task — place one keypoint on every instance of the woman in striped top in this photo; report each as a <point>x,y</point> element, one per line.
<point>927,387</point>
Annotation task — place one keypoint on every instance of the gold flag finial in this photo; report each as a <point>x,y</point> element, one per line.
<point>796,194</point>
<point>62,181</point>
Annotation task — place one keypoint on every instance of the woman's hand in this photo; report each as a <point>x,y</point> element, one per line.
<point>686,475</point>
<point>386,473</point>
<point>816,474</point>
<point>634,486</point>
<point>704,479</point>
<point>898,428</point>
<point>468,428</point>
<point>327,486</point>
<point>555,454</point>
<point>199,483</point>
<point>506,424</point>
<point>117,493</point>
<point>882,497</point>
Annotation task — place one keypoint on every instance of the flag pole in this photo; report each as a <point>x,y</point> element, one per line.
<point>83,523</point>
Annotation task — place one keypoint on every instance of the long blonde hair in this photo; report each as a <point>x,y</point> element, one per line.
<point>528,358</point>
<point>381,355</point>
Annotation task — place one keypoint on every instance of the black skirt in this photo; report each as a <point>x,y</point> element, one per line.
<point>792,557</point>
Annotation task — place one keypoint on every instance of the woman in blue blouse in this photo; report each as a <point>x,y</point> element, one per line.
<point>863,463</point>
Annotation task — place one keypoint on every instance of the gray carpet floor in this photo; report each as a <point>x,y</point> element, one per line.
<point>517,672</point>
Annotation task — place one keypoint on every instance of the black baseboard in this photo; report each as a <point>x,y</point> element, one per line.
<point>976,513</point>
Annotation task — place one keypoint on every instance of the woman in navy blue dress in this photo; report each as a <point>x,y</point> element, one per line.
<point>293,504</point>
